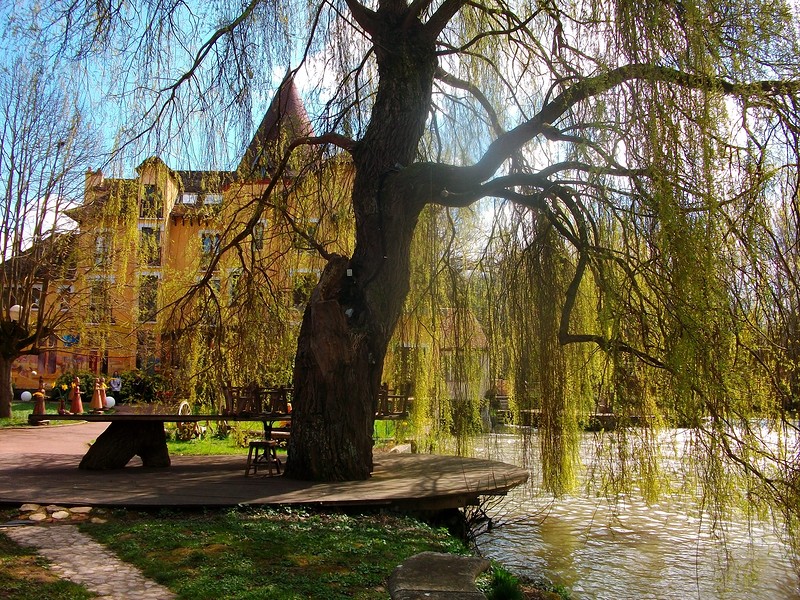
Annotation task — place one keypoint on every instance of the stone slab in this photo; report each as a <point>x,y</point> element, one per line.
<point>434,575</point>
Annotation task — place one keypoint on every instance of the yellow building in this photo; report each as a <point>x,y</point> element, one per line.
<point>143,294</point>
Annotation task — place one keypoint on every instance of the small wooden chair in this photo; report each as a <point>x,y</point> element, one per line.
<point>262,453</point>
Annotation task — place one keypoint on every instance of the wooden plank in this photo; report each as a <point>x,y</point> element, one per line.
<point>164,418</point>
<point>417,481</point>
<point>176,418</point>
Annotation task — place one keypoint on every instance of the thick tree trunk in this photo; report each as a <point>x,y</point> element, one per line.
<point>6,392</point>
<point>334,374</point>
<point>353,311</point>
<point>118,444</point>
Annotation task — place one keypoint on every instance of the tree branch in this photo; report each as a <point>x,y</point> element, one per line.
<point>454,81</point>
<point>365,17</point>
<point>442,16</point>
<point>503,147</point>
<point>415,10</point>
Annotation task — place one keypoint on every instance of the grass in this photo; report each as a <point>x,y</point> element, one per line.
<point>208,445</point>
<point>24,576</point>
<point>19,414</point>
<point>281,555</point>
<point>20,411</point>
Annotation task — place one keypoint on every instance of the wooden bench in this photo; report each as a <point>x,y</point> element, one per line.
<point>254,399</point>
<point>132,434</point>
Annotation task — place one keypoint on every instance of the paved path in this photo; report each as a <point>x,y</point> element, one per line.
<point>50,439</point>
<point>72,554</point>
<point>77,557</point>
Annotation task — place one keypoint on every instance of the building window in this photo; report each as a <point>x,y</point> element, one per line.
<point>151,206</point>
<point>188,198</point>
<point>258,236</point>
<point>64,296</point>
<point>146,359</point>
<point>102,249</point>
<point>48,355</point>
<point>36,296</point>
<point>148,298</point>
<point>215,198</point>
<point>209,247</point>
<point>210,307</point>
<point>100,302</point>
<point>150,246</point>
<point>235,285</point>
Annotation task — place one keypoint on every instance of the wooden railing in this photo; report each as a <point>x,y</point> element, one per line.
<point>254,400</point>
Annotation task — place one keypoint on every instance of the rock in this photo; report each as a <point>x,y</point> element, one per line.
<point>401,449</point>
<point>98,520</point>
<point>37,517</point>
<point>437,575</point>
<point>51,508</point>
<point>80,510</point>
<point>29,507</point>
<point>60,515</point>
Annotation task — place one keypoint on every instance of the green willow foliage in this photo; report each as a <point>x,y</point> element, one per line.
<point>439,352</point>
<point>648,266</point>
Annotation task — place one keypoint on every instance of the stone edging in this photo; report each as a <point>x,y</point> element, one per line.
<point>53,513</point>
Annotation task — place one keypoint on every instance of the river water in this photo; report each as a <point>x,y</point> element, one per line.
<point>623,548</point>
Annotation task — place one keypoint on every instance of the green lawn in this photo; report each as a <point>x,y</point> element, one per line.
<point>207,445</point>
<point>19,414</point>
<point>280,555</point>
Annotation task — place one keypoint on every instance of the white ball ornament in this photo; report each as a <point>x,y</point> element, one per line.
<point>26,396</point>
<point>110,402</point>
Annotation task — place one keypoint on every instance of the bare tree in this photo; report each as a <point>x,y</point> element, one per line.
<point>44,150</point>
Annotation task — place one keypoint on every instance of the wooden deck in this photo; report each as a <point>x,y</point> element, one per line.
<point>132,417</point>
<point>33,468</point>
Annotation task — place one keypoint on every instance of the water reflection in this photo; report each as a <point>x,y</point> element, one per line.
<point>628,549</point>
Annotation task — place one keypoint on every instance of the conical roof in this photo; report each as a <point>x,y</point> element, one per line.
<point>286,120</point>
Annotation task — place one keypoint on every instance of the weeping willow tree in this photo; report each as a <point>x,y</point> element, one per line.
<point>651,147</point>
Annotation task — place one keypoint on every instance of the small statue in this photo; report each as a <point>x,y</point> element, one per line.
<point>38,400</point>
<point>76,406</point>
<point>97,404</point>
<point>103,393</point>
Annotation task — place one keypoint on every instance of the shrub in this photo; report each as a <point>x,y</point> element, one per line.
<point>62,386</point>
<point>138,386</point>
<point>504,586</point>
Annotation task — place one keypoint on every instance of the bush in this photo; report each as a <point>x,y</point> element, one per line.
<point>63,385</point>
<point>138,386</point>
